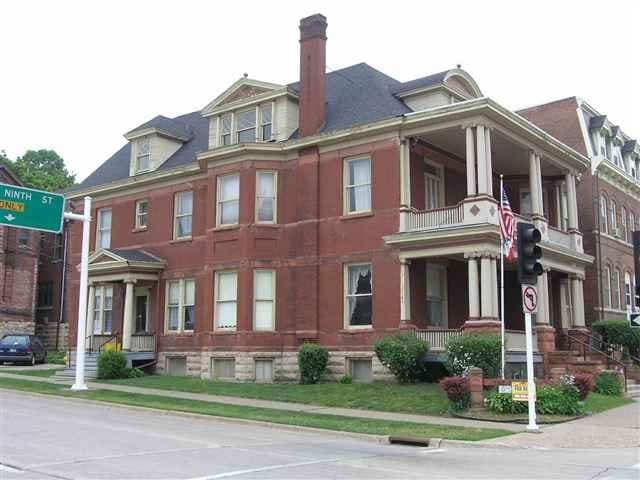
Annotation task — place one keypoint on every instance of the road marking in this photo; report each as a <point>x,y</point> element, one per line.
<point>437,450</point>
<point>264,469</point>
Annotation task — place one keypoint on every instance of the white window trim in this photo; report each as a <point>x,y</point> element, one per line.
<point>98,323</point>
<point>261,124</point>
<point>604,214</point>
<point>346,295</point>
<point>181,304</point>
<point>99,228</point>
<point>614,218</point>
<point>275,197</point>
<point>138,156</point>
<point>220,132</point>
<point>216,301</point>
<point>608,298</point>
<point>445,296</point>
<point>138,214</point>
<point>176,216</point>
<point>439,177</point>
<point>272,300</point>
<point>219,201</point>
<point>346,185</point>
<point>237,130</point>
<point>617,279</point>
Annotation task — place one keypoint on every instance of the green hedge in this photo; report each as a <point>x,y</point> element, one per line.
<point>479,350</point>
<point>619,332</point>
<point>403,354</point>
<point>112,364</point>
<point>608,384</point>
<point>312,360</point>
<point>560,399</point>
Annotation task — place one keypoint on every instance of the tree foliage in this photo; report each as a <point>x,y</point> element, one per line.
<point>41,169</point>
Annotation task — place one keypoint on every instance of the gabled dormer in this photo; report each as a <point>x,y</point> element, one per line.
<point>252,111</point>
<point>154,142</point>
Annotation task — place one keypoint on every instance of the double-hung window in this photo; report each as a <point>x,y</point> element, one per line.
<point>266,196</point>
<point>103,237</point>
<point>632,226</point>
<point>603,213</point>
<point>264,296</point>
<point>357,175</point>
<point>623,223</point>
<point>183,211</point>
<point>614,218</point>
<point>615,289</point>
<point>143,155</point>
<point>436,295</point>
<point>58,245</point>
<point>246,126</point>
<point>181,300</point>
<point>606,284</point>
<point>45,295</point>
<point>628,291</point>
<point>358,296</point>
<point>142,212</point>
<point>228,192</point>
<point>266,121</point>
<point>226,296</point>
<point>226,121</point>
<point>434,186</point>
<point>103,309</point>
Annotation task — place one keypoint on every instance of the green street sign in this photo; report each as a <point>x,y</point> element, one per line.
<point>32,209</point>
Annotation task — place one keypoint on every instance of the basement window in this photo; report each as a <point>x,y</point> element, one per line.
<point>224,368</point>
<point>264,370</point>
<point>361,370</point>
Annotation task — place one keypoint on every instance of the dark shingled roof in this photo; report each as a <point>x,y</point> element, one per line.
<point>597,122</point>
<point>427,81</point>
<point>170,126</point>
<point>134,255</point>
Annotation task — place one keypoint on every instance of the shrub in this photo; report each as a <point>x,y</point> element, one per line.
<point>481,350</point>
<point>112,364</point>
<point>458,392</point>
<point>346,380</point>
<point>503,403</point>
<point>403,354</point>
<point>559,399</point>
<point>608,384</point>
<point>584,383</point>
<point>134,372</point>
<point>619,332</point>
<point>56,357</point>
<point>312,360</point>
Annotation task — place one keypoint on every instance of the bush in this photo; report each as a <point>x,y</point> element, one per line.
<point>503,403</point>
<point>312,360</point>
<point>56,357</point>
<point>134,373</point>
<point>584,383</point>
<point>403,354</point>
<point>112,364</point>
<point>558,399</point>
<point>458,392</point>
<point>481,350</point>
<point>619,332</point>
<point>608,384</point>
<point>346,380</point>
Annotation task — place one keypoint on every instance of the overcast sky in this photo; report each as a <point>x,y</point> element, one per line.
<point>75,76</point>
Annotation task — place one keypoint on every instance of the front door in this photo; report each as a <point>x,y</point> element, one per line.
<point>142,311</point>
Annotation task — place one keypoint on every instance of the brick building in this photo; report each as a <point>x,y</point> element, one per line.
<point>18,273</point>
<point>335,209</point>
<point>608,201</point>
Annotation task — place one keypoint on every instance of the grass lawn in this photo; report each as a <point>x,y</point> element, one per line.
<point>33,373</point>
<point>328,422</point>
<point>424,398</point>
<point>596,403</point>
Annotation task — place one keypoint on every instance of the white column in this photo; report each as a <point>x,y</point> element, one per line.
<point>578,302</point>
<point>533,183</point>
<point>405,173</point>
<point>572,202</point>
<point>90,307</point>
<point>559,213</point>
<point>471,163</point>
<point>487,143</point>
<point>482,160</point>
<point>495,286</point>
<point>542,317</point>
<point>487,290</point>
<point>405,291</point>
<point>127,323</point>
<point>474,297</point>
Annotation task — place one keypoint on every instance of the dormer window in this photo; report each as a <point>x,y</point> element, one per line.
<point>225,129</point>
<point>254,124</point>
<point>266,114</point>
<point>143,155</point>
<point>246,126</point>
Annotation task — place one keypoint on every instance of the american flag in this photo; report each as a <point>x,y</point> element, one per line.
<point>507,226</point>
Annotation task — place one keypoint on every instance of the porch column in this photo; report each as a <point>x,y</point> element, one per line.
<point>91,302</point>
<point>534,181</point>
<point>482,160</point>
<point>494,282</point>
<point>405,292</point>
<point>127,323</point>
<point>542,317</point>
<point>474,294</point>
<point>405,173</point>
<point>487,289</point>
<point>487,144</point>
<point>572,203</point>
<point>577,296</point>
<point>545,333</point>
<point>559,207</point>
<point>471,163</point>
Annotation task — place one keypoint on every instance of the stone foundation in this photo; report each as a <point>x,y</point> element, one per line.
<point>285,364</point>
<point>11,326</point>
<point>47,333</point>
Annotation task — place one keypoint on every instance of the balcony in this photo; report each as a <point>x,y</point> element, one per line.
<point>417,220</point>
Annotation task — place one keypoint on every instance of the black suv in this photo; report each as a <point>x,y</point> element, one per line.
<point>20,348</point>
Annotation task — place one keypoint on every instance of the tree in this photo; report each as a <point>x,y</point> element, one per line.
<point>41,169</point>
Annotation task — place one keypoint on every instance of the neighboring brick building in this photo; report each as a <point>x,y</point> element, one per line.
<point>336,209</point>
<point>608,200</point>
<point>18,273</point>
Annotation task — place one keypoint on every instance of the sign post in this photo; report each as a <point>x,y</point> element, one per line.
<point>529,306</point>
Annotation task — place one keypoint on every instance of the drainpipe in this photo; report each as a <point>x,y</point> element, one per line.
<point>62,286</point>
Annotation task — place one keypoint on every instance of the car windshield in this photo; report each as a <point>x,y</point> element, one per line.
<point>15,340</point>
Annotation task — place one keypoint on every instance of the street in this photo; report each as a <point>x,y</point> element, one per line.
<point>45,438</point>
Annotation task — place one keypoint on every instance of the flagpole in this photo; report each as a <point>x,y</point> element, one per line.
<point>501,285</point>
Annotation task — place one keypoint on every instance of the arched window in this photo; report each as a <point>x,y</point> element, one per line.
<point>632,227</point>
<point>623,223</point>
<point>603,213</point>
<point>628,291</point>
<point>606,287</point>
<point>614,218</point>
<point>615,289</point>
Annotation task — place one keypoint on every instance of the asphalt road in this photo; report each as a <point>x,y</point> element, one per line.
<point>54,438</point>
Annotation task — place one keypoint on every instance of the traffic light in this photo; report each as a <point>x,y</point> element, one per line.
<point>528,253</point>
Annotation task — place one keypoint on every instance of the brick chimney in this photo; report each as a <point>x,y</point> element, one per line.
<point>313,40</point>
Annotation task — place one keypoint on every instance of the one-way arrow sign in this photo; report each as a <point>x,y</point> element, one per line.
<point>10,218</point>
<point>634,319</point>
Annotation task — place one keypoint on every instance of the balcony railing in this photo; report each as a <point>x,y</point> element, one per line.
<point>438,338</point>
<point>143,342</point>
<point>559,237</point>
<point>436,218</point>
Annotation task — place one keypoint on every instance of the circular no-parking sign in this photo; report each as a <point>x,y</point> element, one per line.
<point>529,299</point>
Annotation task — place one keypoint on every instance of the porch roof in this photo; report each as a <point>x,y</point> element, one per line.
<point>125,263</point>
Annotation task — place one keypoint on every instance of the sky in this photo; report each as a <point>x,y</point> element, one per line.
<point>76,75</point>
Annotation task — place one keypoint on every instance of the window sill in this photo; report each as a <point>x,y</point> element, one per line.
<point>267,225</point>
<point>353,216</point>
<point>182,240</point>
<point>139,229</point>
<point>363,329</point>
<point>223,228</point>
<point>176,333</point>
<point>229,331</point>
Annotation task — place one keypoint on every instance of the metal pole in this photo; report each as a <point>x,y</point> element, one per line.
<point>531,384</point>
<point>502,343</point>
<point>63,280</point>
<point>82,301</point>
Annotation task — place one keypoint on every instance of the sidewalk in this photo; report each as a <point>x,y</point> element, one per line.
<point>287,406</point>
